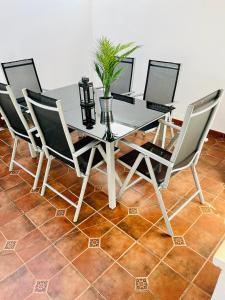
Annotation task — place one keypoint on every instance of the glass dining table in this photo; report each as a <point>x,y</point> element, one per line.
<point>126,118</point>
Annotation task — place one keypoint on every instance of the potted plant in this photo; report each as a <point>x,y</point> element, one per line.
<point>108,57</point>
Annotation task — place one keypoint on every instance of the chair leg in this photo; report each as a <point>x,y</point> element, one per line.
<point>13,154</point>
<point>197,183</point>
<point>159,197</point>
<point>84,185</point>
<point>130,174</point>
<point>46,176</point>
<point>163,210</point>
<point>157,133</point>
<point>33,153</point>
<point>38,171</point>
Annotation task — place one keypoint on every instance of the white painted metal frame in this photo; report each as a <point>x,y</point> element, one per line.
<point>75,154</point>
<point>34,149</point>
<point>147,155</point>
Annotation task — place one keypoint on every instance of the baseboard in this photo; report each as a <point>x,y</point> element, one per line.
<point>212,133</point>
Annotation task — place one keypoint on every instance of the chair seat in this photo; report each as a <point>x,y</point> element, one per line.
<point>36,139</point>
<point>83,158</point>
<point>159,169</point>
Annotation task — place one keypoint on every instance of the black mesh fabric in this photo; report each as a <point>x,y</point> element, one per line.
<point>123,83</point>
<point>51,127</point>
<point>10,111</point>
<point>50,124</point>
<point>158,168</point>
<point>21,74</point>
<point>161,82</point>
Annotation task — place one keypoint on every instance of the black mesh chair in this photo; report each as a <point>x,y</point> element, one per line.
<point>20,130</point>
<point>83,155</point>
<point>156,165</point>
<point>160,87</point>
<point>123,84</point>
<point>21,74</point>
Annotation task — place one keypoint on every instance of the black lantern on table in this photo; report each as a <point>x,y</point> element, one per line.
<point>87,102</point>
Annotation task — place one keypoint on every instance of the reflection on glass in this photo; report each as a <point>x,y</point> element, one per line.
<point>88,116</point>
<point>107,119</point>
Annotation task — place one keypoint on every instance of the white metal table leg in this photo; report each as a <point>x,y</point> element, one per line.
<point>110,158</point>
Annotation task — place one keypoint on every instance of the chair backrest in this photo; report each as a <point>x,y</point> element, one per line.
<point>48,118</point>
<point>10,113</point>
<point>124,82</point>
<point>21,74</point>
<point>196,125</point>
<point>161,81</point>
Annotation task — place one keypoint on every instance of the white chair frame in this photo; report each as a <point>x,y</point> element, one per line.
<point>34,149</point>
<point>171,168</point>
<point>75,154</point>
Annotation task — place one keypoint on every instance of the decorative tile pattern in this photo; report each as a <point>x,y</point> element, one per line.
<point>206,209</point>
<point>15,172</point>
<point>141,284</point>
<point>60,212</point>
<point>10,245</point>
<point>94,243</point>
<point>179,241</point>
<point>98,188</point>
<point>146,269</point>
<point>133,211</point>
<point>41,286</point>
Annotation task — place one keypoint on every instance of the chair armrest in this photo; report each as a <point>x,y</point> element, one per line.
<point>162,121</point>
<point>147,153</point>
<point>86,148</point>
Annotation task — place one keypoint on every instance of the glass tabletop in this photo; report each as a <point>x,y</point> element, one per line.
<point>125,119</point>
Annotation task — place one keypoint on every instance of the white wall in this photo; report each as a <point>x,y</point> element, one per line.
<point>56,33</point>
<point>190,32</point>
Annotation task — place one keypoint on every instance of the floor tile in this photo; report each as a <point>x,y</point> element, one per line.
<point>31,245</point>
<point>19,190</point>
<point>2,241</point>
<point>95,226</point>
<point>76,188</point>
<point>134,226</point>
<point>56,227</point>
<point>85,212</point>
<point>9,181</point>
<point>115,242</point>
<point>97,200</point>
<point>138,261</point>
<point>8,213</point>
<point>69,179</point>
<point>17,228</point>
<point>132,198</point>
<point>38,296</point>
<point>205,232</point>
<point>72,244</point>
<point>195,293</point>
<point>17,286</point>
<point>115,284</point>
<point>60,203</point>
<point>91,294</point>
<point>144,295</point>
<point>207,278</point>
<point>166,284</point>
<point>47,264</point>
<point>29,201</point>
<point>114,215</point>
<point>9,263</point>
<point>151,213</point>
<point>184,261</point>
<point>92,263</point>
<point>212,186</point>
<point>67,284</point>
<point>41,213</point>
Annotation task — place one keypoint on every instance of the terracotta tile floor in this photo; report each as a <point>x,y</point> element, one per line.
<point>109,254</point>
